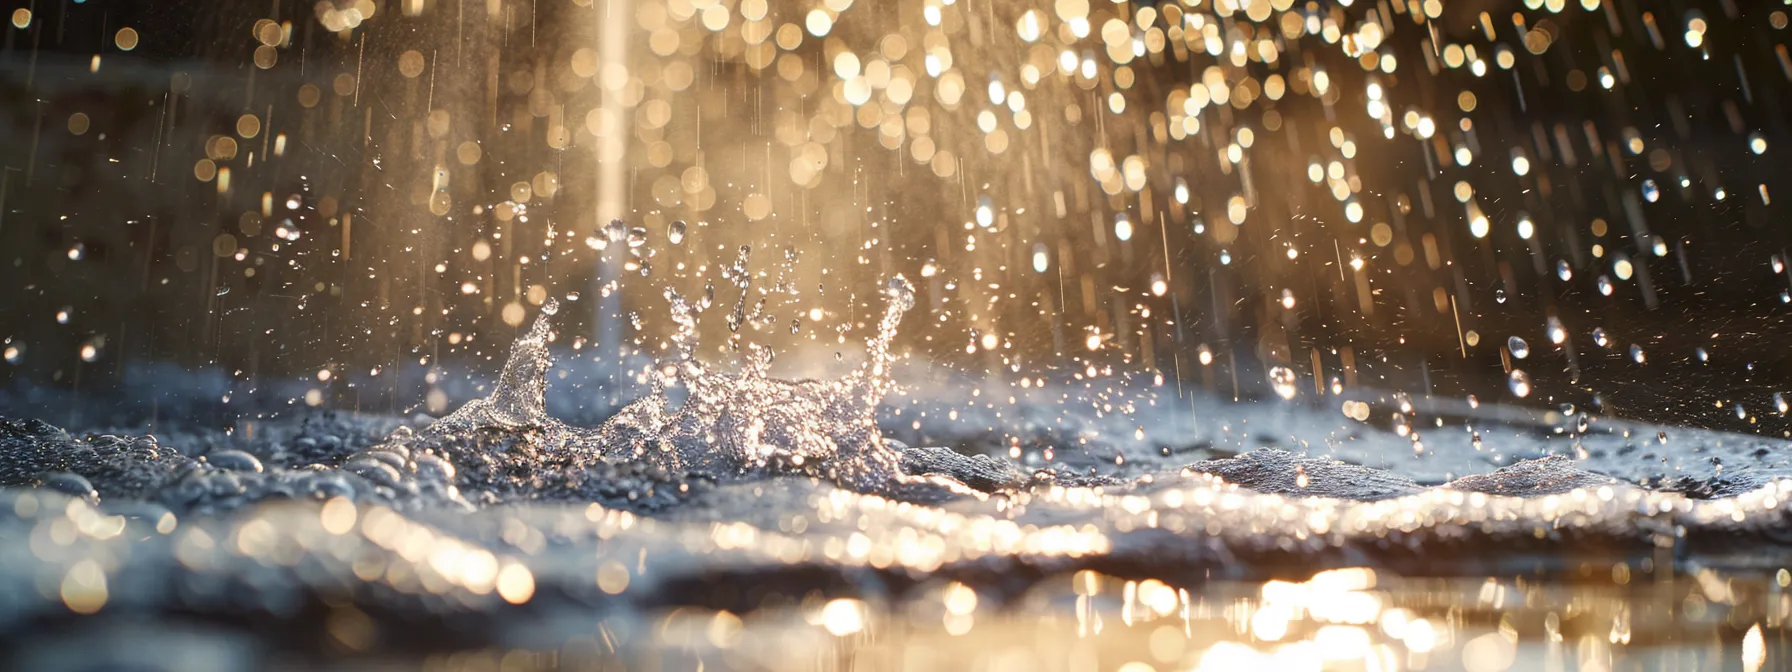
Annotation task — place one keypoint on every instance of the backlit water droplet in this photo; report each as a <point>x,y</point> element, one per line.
<point>1519,382</point>
<point>1519,348</point>
<point>1283,380</point>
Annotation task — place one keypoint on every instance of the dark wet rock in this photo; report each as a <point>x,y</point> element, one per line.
<point>1284,473</point>
<point>1544,476</point>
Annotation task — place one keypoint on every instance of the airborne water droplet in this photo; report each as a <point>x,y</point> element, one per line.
<point>1283,380</point>
<point>1600,338</point>
<point>1519,348</point>
<point>1779,402</point>
<point>1563,271</point>
<point>1519,382</point>
<point>675,232</point>
<point>1651,192</point>
<point>616,231</point>
<point>1636,353</point>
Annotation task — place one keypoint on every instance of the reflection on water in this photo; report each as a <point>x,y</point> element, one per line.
<point>1206,297</point>
<point>1345,619</point>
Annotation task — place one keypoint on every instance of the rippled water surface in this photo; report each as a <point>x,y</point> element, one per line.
<point>1079,335</point>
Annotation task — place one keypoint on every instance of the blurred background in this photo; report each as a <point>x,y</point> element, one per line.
<point>246,207</point>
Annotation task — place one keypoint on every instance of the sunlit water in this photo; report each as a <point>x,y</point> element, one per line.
<point>932,334</point>
<point>740,521</point>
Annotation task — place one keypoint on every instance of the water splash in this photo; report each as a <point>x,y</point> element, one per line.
<point>703,421</point>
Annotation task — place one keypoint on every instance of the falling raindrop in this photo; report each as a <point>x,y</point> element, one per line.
<point>1651,192</point>
<point>1282,379</point>
<point>1557,333</point>
<point>1519,382</point>
<point>1636,353</point>
<point>1518,347</point>
<point>1779,402</point>
<point>675,231</point>
<point>1600,338</point>
<point>1563,271</point>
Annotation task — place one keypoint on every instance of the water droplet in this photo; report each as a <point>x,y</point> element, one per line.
<point>1605,285</point>
<point>1636,353</point>
<point>1519,348</point>
<point>675,231</point>
<point>1563,271</point>
<point>1557,333</point>
<point>1519,382</point>
<point>1499,296</point>
<point>1651,192</point>
<point>616,231</point>
<point>1779,402</point>
<point>1283,380</point>
<point>1701,354</point>
<point>1600,338</point>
